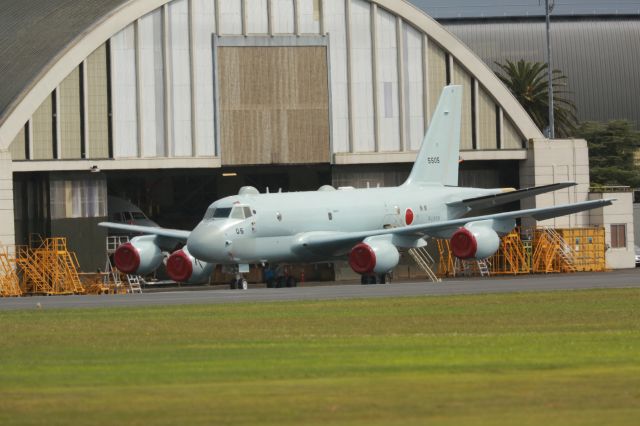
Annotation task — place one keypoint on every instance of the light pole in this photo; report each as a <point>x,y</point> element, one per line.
<point>548,8</point>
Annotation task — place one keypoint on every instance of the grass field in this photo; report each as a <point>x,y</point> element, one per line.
<point>533,358</point>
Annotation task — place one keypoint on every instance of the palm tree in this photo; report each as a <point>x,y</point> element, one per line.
<point>529,83</point>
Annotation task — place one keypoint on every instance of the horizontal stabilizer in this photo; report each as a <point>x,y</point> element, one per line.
<point>508,197</point>
<point>151,230</point>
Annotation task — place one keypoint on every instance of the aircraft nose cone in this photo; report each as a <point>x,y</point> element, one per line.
<point>202,243</point>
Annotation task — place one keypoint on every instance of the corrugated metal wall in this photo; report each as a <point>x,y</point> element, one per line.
<point>151,86</point>
<point>42,128</point>
<point>17,146</point>
<point>274,105</point>
<point>69,116</point>
<point>124,93</point>
<point>600,56</point>
<point>382,83</point>
<point>97,112</point>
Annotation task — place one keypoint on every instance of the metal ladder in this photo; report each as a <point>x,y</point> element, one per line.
<point>424,260</point>
<point>468,267</point>
<point>483,267</point>
<point>566,252</point>
<point>134,283</point>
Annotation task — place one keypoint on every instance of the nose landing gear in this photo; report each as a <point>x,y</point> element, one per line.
<point>238,282</point>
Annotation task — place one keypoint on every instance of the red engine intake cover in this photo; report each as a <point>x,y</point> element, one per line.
<point>463,244</point>
<point>127,258</point>
<point>362,259</point>
<point>179,267</point>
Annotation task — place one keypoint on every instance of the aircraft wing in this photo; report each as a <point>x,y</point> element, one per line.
<point>507,197</point>
<point>335,241</point>
<point>152,230</point>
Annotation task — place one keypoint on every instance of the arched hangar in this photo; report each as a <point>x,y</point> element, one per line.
<point>172,104</point>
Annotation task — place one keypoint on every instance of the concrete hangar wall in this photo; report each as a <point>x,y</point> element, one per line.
<point>134,89</point>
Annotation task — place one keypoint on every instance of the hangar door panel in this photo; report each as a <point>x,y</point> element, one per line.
<point>274,105</point>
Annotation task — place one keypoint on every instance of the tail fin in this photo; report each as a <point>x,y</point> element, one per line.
<point>437,161</point>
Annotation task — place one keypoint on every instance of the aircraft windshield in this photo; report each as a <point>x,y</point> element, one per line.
<point>237,212</point>
<point>219,213</point>
<point>241,212</point>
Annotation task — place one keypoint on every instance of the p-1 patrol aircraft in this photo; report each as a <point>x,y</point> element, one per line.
<point>365,226</point>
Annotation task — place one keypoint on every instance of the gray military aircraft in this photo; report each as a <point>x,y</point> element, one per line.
<point>365,226</point>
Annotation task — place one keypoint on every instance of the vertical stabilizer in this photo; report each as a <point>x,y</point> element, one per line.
<point>437,161</point>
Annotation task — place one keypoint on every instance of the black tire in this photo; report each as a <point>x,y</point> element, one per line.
<point>364,280</point>
<point>233,285</point>
<point>382,279</point>
<point>372,279</point>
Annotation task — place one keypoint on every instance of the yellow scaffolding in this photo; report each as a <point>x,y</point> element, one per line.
<point>446,261</point>
<point>588,246</point>
<point>9,281</point>
<point>49,269</point>
<point>512,257</point>
<point>549,251</point>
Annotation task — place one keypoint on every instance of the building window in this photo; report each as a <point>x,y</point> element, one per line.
<point>76,198</point>
<point>618,236</point>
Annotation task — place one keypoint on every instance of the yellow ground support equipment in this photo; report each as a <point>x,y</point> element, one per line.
<point>550,250</point>
<point>512,258</point>
<point>9,281</point>
<point>49,269</point>
<point>588,246</point>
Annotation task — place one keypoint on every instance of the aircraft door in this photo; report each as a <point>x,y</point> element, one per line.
<point>392,217</point>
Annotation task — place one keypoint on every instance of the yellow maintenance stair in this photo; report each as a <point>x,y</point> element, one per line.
<point>540,250</point>
<point>9,280</point>
<point>49,268</point>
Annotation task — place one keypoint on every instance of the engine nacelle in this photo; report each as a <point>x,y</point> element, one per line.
<point>140,256</point>
<point>184,268</point>
<point>474,242</point>
<point>374,256</point>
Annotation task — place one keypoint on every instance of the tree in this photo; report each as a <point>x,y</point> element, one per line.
<point>529,83</point>
<point>611,152</point>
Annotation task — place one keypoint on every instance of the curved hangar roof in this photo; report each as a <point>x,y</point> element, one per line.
<point>47,44</point>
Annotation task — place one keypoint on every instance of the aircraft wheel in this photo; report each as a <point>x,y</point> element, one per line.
<point>372,279</point>
<point>233,284</point>
<point>364,280</point>
<point>382,279</point>
<point>242,284</point>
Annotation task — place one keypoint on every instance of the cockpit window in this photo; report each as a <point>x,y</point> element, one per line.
<point>237,213</point>
<point>247,211</point>
<point>219,213</point>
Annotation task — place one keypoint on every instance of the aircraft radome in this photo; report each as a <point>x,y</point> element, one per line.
<point>365,226</point>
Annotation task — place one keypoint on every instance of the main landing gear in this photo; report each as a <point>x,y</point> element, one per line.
<point>374,279</point>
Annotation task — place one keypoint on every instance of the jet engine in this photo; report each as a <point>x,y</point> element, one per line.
<point>184,268</point>
<point>373,256</point>
<point>140,256</point>
<point>474,242</point>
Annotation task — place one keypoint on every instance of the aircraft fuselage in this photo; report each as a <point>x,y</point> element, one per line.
<point>271,230</point>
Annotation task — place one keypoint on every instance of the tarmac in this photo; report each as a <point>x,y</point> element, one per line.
<point>628,278</point>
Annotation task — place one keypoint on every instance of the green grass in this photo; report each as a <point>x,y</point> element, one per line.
<point>532,358</point>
